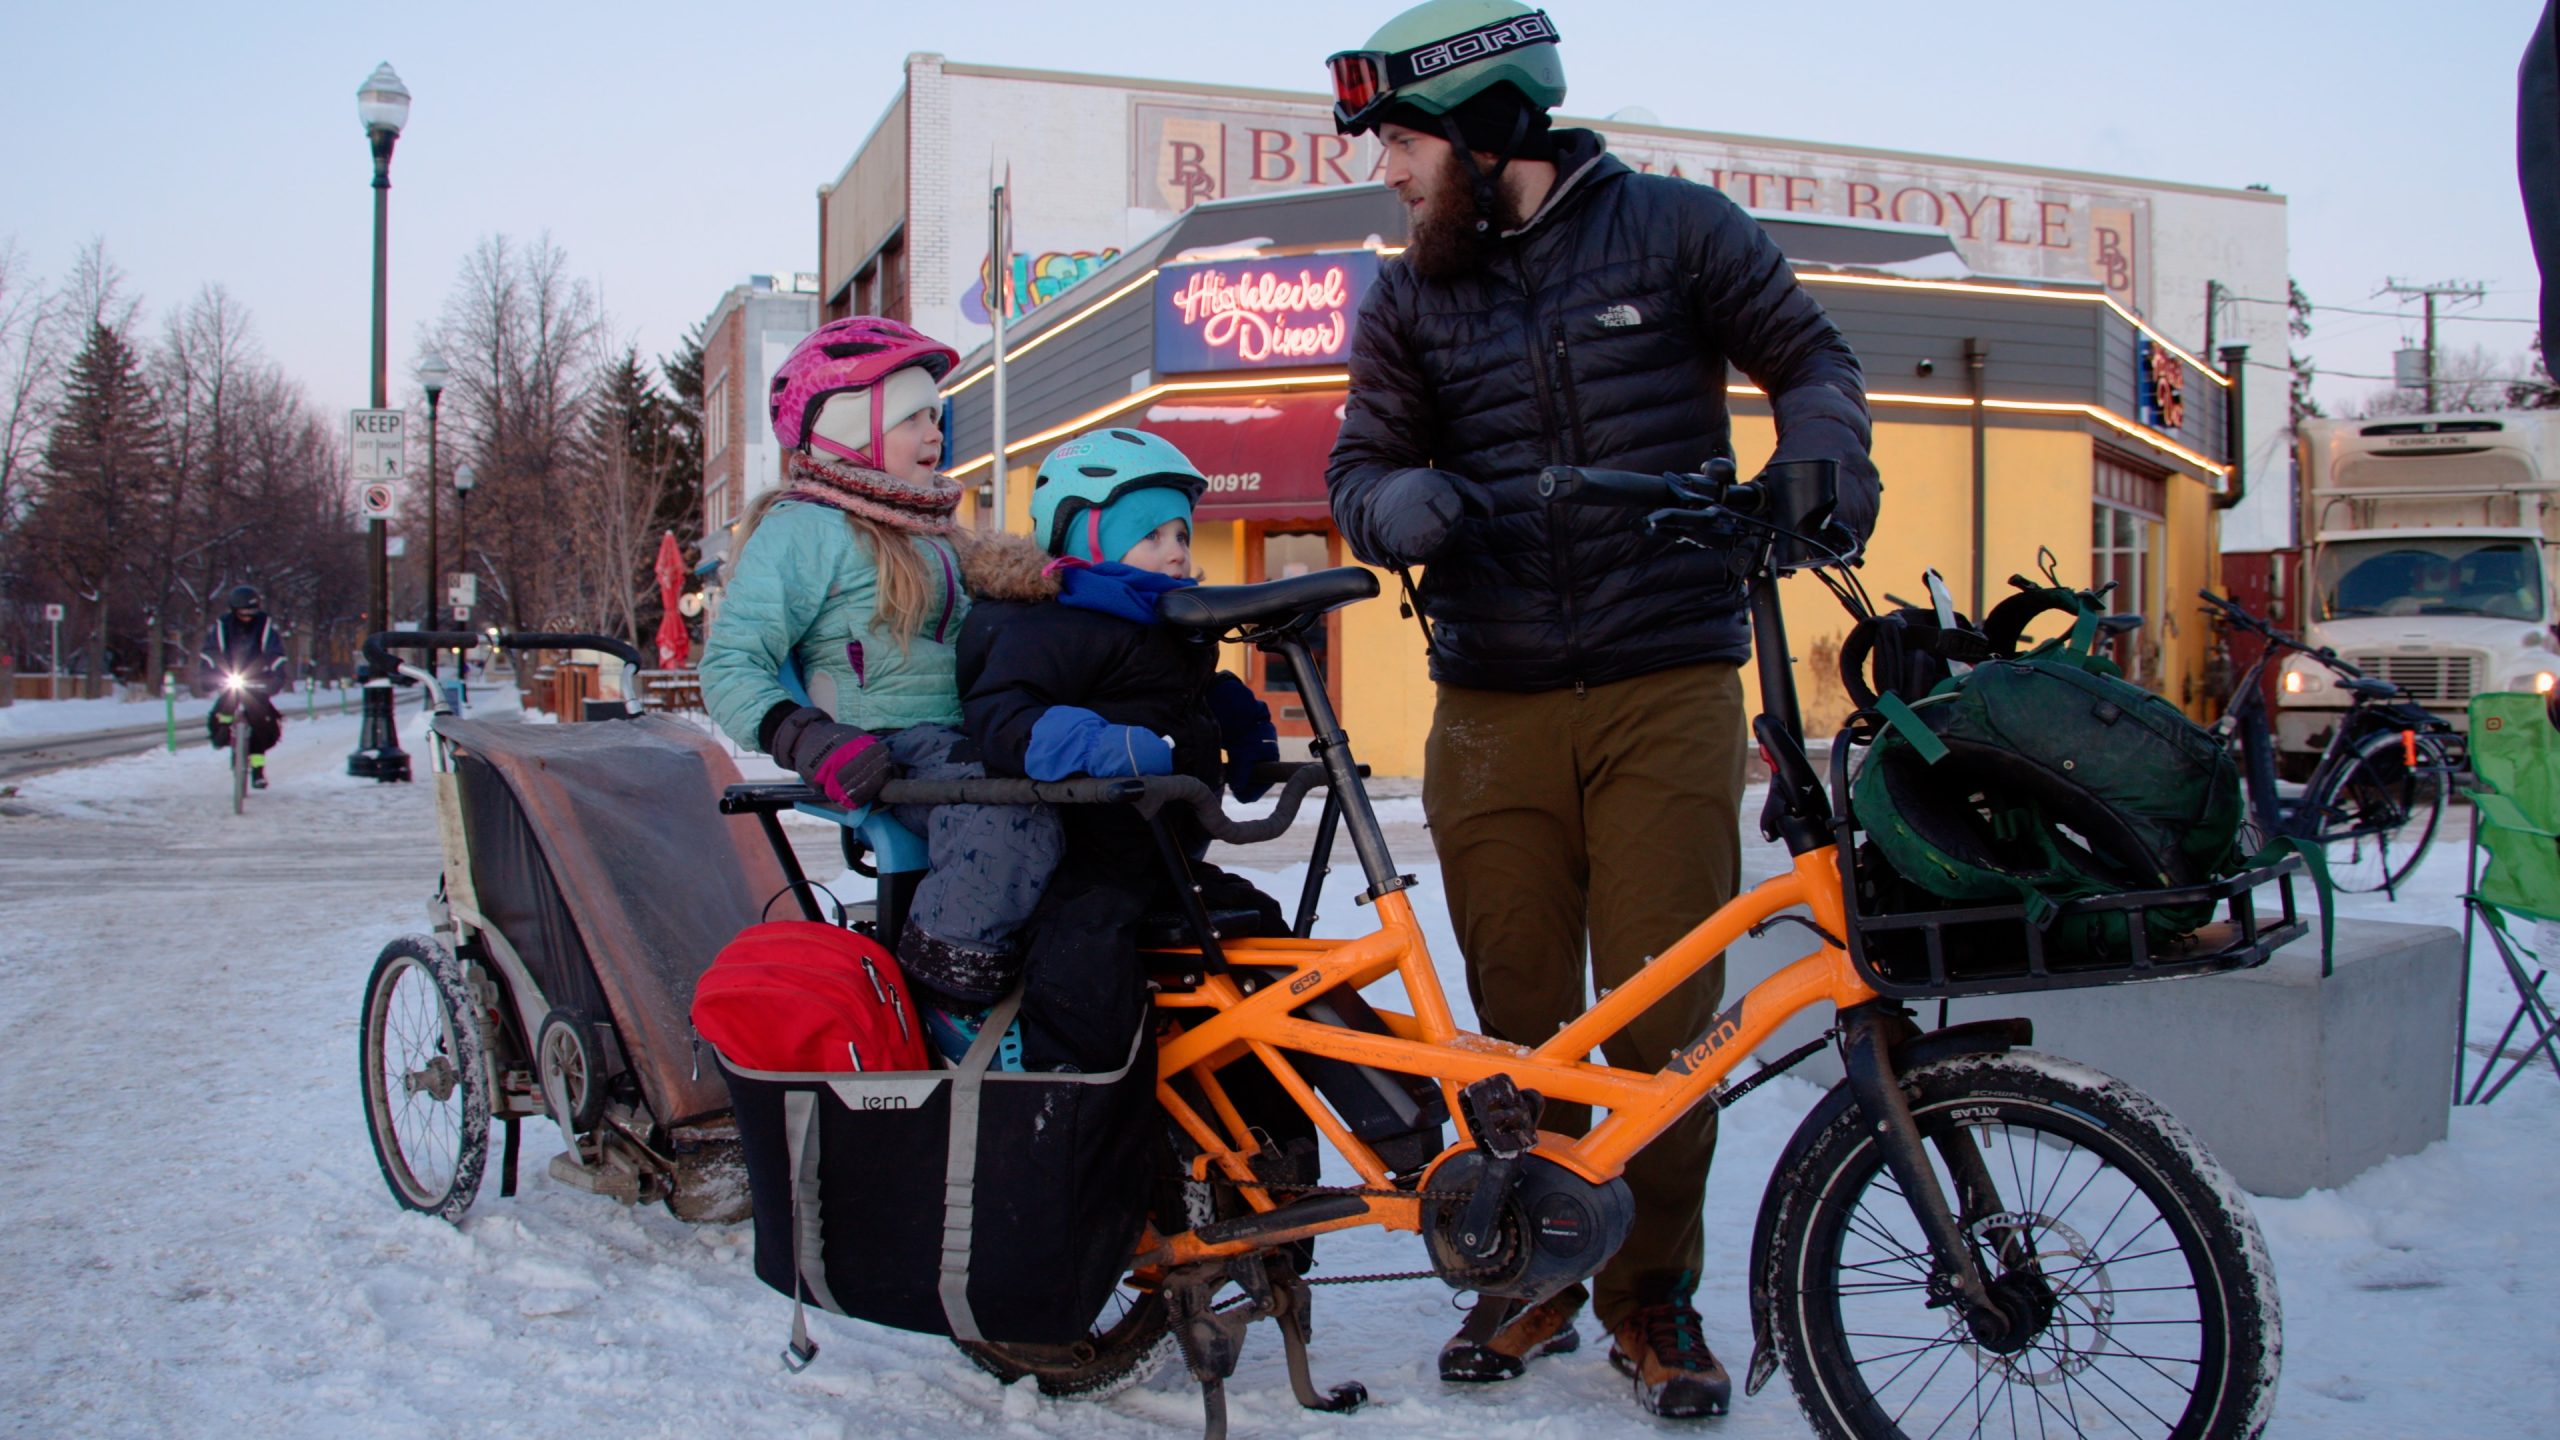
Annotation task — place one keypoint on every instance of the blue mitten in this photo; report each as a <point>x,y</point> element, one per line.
<point>1069,740</point>
<point>1244,729</point>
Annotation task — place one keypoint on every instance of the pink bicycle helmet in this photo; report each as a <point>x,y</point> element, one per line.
<point>854,353</point>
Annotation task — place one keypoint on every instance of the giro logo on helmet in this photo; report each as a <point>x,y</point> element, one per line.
<point>1481,44</point>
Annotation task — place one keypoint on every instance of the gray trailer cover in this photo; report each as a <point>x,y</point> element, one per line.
<point>655,877</point>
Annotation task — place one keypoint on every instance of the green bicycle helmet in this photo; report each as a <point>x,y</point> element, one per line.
<point>1104,491</point>
<point>1441,54</point>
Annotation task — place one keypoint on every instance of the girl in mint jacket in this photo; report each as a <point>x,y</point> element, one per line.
<point>851,571</point>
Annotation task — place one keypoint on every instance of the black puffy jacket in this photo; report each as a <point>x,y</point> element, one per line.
<point>1598,335</point>
<point>1017,659</point>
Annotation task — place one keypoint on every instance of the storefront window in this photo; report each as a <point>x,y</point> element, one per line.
<point>2126,545</point>
<point>1279,555</point>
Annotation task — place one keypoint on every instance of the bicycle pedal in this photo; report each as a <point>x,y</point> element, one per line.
<point>1502,1116</point>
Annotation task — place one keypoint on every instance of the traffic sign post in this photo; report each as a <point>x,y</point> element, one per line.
<point>378,460</point>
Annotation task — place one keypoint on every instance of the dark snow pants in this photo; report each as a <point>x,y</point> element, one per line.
<point>990,862</point>
<point>266,726</point>
<point>1605,820</point>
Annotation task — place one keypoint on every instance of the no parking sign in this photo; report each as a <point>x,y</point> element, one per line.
<point>377,496</point>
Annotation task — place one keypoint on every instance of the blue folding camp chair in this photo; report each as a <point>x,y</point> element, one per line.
<point>2515,798</point>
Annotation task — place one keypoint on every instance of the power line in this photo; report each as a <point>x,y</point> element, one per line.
<point>2319,371</point>
<point>2319,309</point>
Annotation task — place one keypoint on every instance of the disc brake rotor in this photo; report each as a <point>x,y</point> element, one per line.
<point>2051,1265</point>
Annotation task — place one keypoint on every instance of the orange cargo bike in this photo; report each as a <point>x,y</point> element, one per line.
<point>1964,1237</point>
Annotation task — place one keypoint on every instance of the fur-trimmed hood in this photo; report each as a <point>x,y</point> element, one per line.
<point>1005,567</point>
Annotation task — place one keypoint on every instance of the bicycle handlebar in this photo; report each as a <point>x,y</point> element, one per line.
<point>2232,612</point>
<point>1149,793</point>
<point>379,645</point>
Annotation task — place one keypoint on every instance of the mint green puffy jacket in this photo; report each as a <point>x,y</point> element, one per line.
<point>805,587</point>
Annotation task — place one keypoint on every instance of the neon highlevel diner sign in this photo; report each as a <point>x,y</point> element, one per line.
<point>1260,314</point>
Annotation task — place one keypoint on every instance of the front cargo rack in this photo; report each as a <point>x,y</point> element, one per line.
<point>1933,949</point>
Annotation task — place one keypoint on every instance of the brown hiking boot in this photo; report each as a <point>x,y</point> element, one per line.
<point>1545,1328</point>
<point>1664,1350</point>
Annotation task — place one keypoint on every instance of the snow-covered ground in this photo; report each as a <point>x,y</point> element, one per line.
<point>27,719</point>
<point>194,1239</point>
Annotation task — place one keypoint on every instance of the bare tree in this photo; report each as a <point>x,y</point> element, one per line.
<point>2469,380</point>
<point>30,383</point>
<point>30,372</point>
<point>522,335</point>
<point>201,380</point>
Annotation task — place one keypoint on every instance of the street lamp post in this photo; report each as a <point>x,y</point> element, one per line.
<point>382,103</point>
<point>432,375</point>
<point>464,477</point>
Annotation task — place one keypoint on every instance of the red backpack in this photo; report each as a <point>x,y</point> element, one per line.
<point>794,997</point>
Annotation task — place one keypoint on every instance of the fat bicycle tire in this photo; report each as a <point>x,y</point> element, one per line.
<point>427,1085</point>
<point>2375,815</point>
<point>2157,1306</point>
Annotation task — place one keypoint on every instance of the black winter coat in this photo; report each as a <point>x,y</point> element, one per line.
<point>1598,335</point>
<point>1017,659</point>
<point>254,651</point>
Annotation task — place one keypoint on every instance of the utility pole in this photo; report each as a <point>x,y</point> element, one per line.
<point>2442,289</point>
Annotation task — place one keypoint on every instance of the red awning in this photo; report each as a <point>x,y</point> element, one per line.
<point>1264,454</point>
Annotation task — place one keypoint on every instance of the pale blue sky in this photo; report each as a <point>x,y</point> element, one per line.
<point>672,154</point>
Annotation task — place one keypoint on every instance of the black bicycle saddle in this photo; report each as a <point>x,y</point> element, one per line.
<point>1216,608</point>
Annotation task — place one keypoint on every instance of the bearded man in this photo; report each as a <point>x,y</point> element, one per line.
<point>1584,773</point>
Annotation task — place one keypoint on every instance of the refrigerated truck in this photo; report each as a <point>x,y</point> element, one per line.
<point>2429,546</point>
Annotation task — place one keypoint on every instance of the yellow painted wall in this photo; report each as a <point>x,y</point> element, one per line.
<point>2038,484</point>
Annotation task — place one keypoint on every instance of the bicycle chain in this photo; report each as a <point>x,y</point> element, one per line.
<point>1367,1192</point>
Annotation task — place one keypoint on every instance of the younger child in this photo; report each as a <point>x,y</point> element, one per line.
<point>1067,673</point>
<point>850,569</point>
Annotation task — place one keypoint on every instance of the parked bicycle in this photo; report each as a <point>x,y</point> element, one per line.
<point>1963,1237</point>
<point>2377,794</point>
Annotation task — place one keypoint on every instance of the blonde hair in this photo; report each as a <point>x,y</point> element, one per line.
<point>902,588</point>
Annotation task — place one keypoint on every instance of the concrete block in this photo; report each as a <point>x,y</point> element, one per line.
<point>2294,1082</point>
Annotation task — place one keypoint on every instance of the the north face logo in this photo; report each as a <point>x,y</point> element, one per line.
<point>1618,317</point>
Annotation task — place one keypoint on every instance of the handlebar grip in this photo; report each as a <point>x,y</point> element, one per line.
<point>1605,487</point>
<point>613,645</point>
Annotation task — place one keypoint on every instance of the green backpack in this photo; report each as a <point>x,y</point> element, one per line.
<point>2045,778</point>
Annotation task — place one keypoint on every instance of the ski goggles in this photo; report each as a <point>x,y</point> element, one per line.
<point>1365,82</point>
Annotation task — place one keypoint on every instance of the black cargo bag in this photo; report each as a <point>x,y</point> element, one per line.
<point>981,1205</point>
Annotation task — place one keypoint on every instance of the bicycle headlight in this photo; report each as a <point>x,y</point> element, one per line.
<point>232,681</point>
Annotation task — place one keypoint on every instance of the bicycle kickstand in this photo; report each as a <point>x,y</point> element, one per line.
<point>1293,1307</point>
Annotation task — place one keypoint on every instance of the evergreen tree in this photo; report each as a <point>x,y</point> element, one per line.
<point>101,482</point>
<point>682,509</point>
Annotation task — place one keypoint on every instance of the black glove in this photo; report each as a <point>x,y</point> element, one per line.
<point>1414,514</point>
<point>846,764</point>
<point>1244,729</point>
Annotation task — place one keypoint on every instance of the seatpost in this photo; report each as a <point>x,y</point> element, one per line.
<point>1342,773</point>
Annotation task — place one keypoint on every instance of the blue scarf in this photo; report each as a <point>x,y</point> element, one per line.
<point>1112,588</point>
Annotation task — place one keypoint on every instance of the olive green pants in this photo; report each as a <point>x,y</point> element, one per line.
<point>1609,815</point>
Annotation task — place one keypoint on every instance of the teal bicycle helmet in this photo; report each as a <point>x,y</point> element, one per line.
<point>1091,502</point>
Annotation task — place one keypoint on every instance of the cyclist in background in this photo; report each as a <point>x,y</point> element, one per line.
<point>243,666</point>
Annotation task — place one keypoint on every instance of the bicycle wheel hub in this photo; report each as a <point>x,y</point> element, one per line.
<point>436,1081</point>
<point>2052,1289</point>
